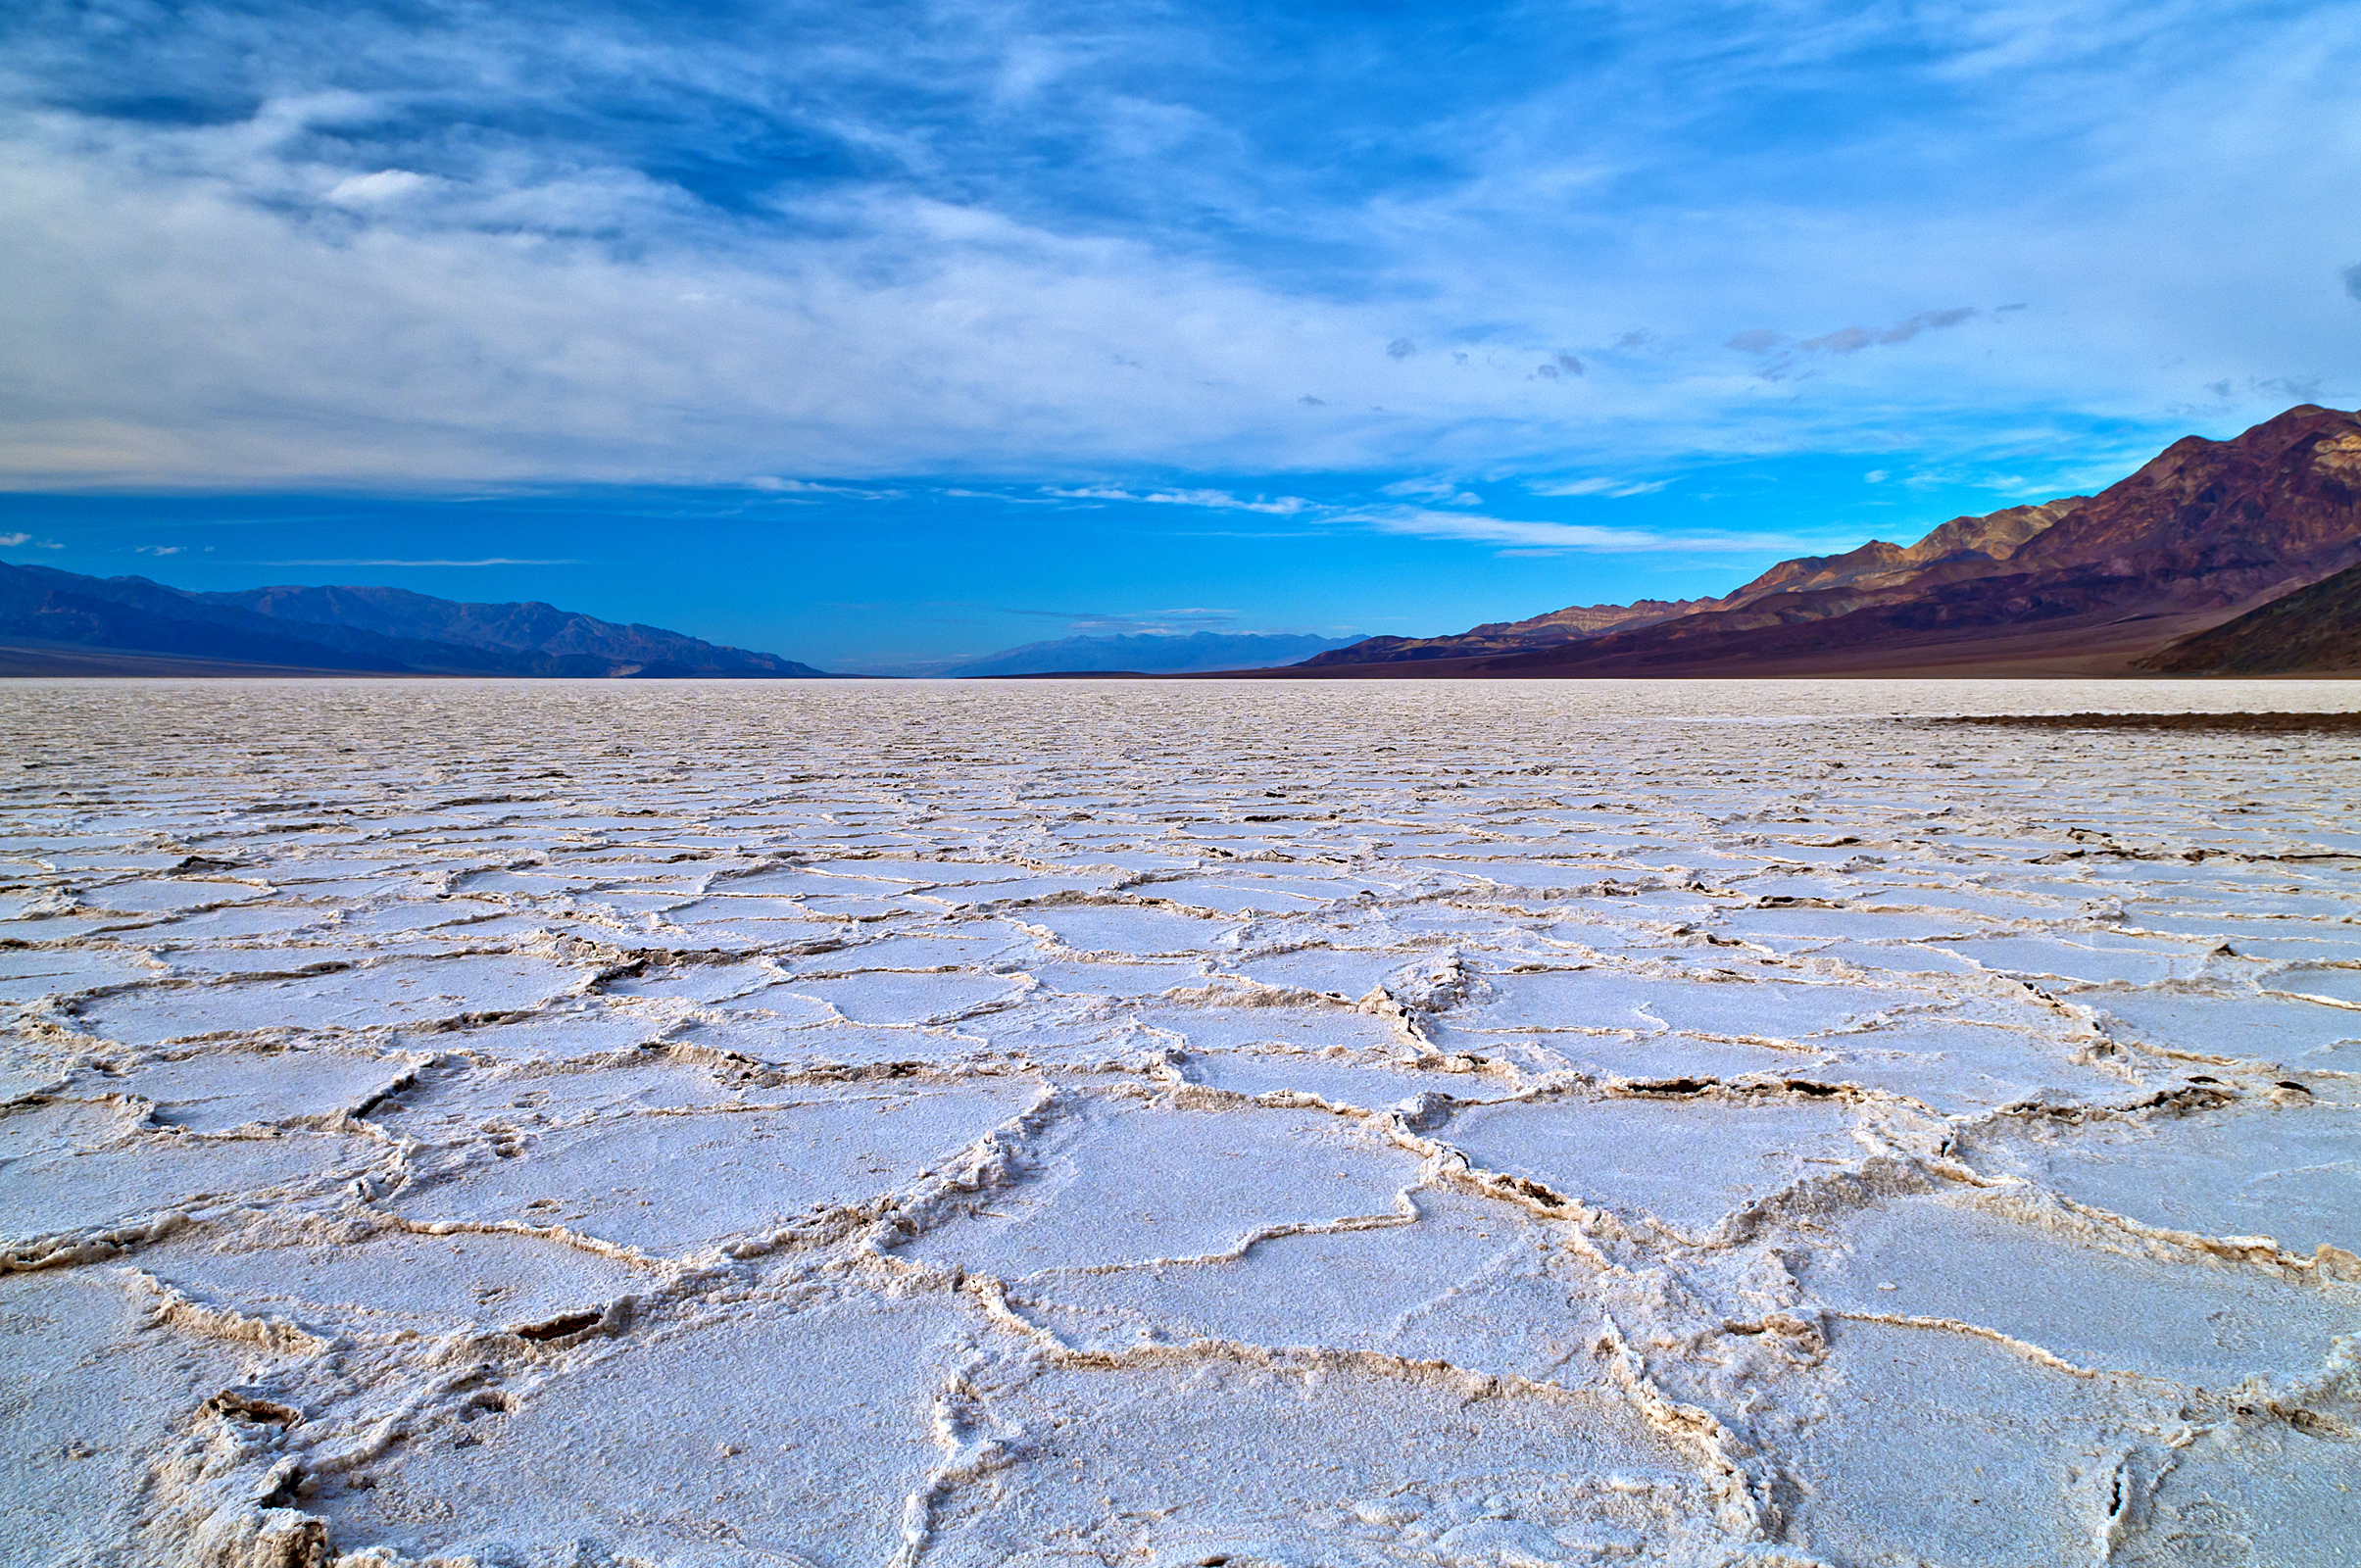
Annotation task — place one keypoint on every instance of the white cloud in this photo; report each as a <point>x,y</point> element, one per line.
<point>810,487</point>
<point>386,185</point>
<point>1216,499</point>
<point>1440,492</point>
<point>1596,487</point>
<point>1556,537</point>
<point>160,549</point>
<point>10,541</point>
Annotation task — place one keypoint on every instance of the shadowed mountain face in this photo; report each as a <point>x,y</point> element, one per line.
<point>2315,629</point>
<point>1148,653</point>
<point>2205,531</point>
<point>64,620</point>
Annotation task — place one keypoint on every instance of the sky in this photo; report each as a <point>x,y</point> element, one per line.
<point>875,335</point>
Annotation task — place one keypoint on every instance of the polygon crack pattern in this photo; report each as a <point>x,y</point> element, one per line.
<point>1179,1122</point>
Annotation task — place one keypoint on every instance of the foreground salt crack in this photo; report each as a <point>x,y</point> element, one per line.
<point>480,1123</point>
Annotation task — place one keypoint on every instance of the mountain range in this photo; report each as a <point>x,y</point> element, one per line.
<point>59,622</point>
<point>1149,652</point>
<point>2237,557</point>
<point>2253,536</point>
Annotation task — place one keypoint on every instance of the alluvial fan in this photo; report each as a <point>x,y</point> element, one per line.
<point>474,1123</point>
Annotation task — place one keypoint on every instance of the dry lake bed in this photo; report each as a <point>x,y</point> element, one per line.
<point>845,1123</point>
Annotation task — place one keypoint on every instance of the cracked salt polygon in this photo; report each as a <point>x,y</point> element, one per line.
<point>1686,1162</point>
<point>391,1282</point>
<point>2292,1172</point>
<point>2207,1024</point>
<point>1125,928</point>
<point>2247,1491</point>
<point>392,991</point>
<point>1166,1459</point>
<point>76,1468</point>
<point>1989,1459</point>
<point>2339,982</point>
<point>161,898</point>
<point>1958,1067</point>
<point>827,1414</point>
<point>28,974</point>
<point>1463,1282</point>
<point>1093,978</point>
<point>898,997</point>
<point>2061,1281</point>
<point>674,1184</point>
<point>151,1174</point>
<point>2094,959</point>
<point>213,1091</point>
<point>1130,1183</point>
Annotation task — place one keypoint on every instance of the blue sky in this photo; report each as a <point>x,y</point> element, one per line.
<point>895,332</point>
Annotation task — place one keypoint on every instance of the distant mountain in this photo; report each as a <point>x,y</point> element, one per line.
<point>2314,630</point>
<point>1556,628</point>
<point>2204,532</point>
<point>1151,653</point>
<point>61,619</point>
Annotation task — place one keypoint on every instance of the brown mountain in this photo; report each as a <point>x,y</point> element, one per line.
<point>2316,629</point>
<point>2206,531</point>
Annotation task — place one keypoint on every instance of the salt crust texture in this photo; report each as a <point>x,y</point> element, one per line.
<point>835,1124</point>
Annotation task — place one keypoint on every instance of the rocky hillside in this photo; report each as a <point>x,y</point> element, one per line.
<point>2314,630</point>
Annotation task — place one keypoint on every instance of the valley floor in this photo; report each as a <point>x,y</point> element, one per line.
<point>548,1123</point>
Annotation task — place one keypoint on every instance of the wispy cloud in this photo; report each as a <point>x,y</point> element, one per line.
<point>1440,492</point>
<point>10,541</point>
<point>1216,499</point>
<point>1783,353</point>
<point>1614,488</point>
<point>810,487</point>
<point>1564,537</point>
<point>486,561</point>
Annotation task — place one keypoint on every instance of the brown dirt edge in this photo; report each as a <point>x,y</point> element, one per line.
<point>2238,724</point>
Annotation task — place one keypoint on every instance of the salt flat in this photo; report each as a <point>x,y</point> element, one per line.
<point>859,1123</point>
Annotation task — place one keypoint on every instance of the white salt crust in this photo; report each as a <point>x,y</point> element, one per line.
<point>559,1125</point>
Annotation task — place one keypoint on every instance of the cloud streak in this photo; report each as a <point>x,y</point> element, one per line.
<point>355,560</point>
<point>1214,500</point>
<point>1556,538</point>
<point>1614,489</point>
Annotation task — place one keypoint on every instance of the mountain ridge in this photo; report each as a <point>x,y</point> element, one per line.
<point>66,619</point>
